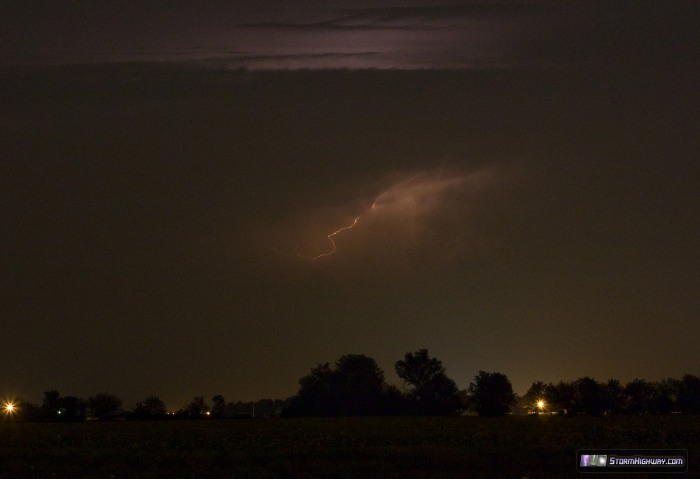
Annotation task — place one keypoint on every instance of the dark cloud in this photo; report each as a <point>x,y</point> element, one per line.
<point>406,35</point>
<point>272,35</point>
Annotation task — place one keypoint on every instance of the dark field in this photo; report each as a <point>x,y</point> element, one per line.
<point>514,447</point>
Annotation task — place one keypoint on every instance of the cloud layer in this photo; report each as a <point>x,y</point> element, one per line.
<point>319,35</point>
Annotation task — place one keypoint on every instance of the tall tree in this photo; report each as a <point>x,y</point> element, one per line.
<point>491,394</point>
<point>316,396</point>
<point>665,396</point>
<point>689,394</point>
<point>51,398</point>
<point>72,409</point>
<point>197,408</point>
<point>613,397</point>
<point>430,390</point>
<point>639,397</point>
<point>218,406</point>
<point>151,408</point>
<point>588,397</point>
<point>354,387</point>
<point>62,408</point>
<point>105,406</point>
<point>360,385</point>
<point>561,397</point>
<point>534,401</point>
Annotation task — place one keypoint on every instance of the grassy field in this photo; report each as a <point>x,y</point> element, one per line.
<point>469,447</point>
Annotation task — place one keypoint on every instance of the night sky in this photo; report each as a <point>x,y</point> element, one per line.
<point>514,187</point>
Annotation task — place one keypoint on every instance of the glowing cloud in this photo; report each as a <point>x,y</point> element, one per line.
<point>426,210</point>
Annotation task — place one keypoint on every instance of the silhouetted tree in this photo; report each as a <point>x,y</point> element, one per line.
<point>430,391</point>
<point>316,394</point>
<point>28,412</point>
<point>360,384</point>
<point>151,408</point>
<point>491,394</point>
<point>59,408</point>
<point>395,403</point>
<point>218,406</point>
<point>689,394</point>
<point>262,408</point>
<point>51,405</point>
<point>355,387</point>
<point>418,369</point>
<point>588,397</point>
<point>561,397</point>
<point>197,408</point>
<point>51,401</point>
<point>105,406</point>
<point>529,401</point>
<point>613,397</point>
<point>73,409</point>
<point>665,396</point>
<point>639,396</point>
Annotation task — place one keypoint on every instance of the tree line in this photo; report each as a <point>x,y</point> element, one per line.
<point>590,397</point>
<point>108,407</point>
<point>355,386</point>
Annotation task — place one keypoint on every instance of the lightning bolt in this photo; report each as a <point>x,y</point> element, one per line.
<point>331,235</point>
<point>408,201</point>
<point>330,238</point>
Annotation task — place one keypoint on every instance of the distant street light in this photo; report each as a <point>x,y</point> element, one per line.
<point>10,408</point>
<point>540,405</point>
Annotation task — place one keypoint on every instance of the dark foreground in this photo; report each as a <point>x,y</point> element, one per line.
<point>513,447</point>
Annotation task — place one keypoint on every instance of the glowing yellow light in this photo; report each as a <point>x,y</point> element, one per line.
<point>540,404</point>
<point>9,408</point>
